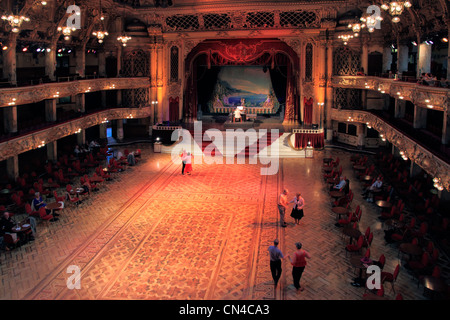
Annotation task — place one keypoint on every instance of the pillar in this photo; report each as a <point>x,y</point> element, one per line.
<point>402,58</point>
<point>52,151</point>
<point>50,63</point>
<point>387,59</point>
<point>329,91</point>
<point>446,128</point>
<point>80,61</point>
<point>361,136</point>
<point>50,110</point>
<point>400,106</point>
<point>120,129</point>
<point>81,137</point>
<point>80,101</point>
<point>102,130</point>
<point>12,167</point>
<point>9,63</point>
<point>365,56</point>
<point>424,60</point>
<point>119,98</point>
<point>420,117</point>
<point>102,64</point>
<point>10,119</point>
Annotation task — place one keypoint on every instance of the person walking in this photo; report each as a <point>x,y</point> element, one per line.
<point>189,163</point>
<point>282,206</point>
<point>275,261</point>
<point>298,262</point>
<point>297,210</point>
<point>183,161</point>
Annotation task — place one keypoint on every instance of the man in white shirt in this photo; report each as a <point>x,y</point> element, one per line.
<point>340,185</point>
<point>375,187</point>
<point>237,114</point>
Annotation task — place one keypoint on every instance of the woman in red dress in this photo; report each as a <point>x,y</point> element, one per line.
<point>189,158</point>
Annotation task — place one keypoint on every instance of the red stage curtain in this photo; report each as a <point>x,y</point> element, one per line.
<point>316,139</point>
<point>173,109</point>
<point>308,108</point>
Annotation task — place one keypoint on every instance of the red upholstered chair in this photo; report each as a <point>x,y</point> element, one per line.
<point>419,266</point>
<point>43,214</point>
<point>10,241</point>
<point>421,232</point>
<point>399,296</point>
<point>381,261</point>
<point>30,212</point>
<point>368,241</point>
<point>390,277</point>
<point>355,247</point>
<point>58,198</point>
<point>347,221</point>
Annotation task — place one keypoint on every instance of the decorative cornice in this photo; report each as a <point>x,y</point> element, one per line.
<point>422,96</point>
<point>414,151</point>
<point>35,140</point>
<point>33,94</point>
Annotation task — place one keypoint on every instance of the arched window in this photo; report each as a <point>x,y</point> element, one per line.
<point>174,64</point>
<point>308,62</point>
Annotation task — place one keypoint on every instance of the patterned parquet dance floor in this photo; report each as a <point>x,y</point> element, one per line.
<point>152,233</point>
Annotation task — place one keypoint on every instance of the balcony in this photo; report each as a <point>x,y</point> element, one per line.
<point>421,153</point>
<point>41,137</point>
<point>422,96</point>
<point>33,94</point>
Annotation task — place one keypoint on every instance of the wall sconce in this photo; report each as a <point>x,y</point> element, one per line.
<point>13,102</point>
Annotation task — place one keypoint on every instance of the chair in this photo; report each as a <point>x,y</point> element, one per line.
<point>43,214</point>
<point>419,266</point>
<point>344,222</point>
<point>399,296</point>
<point>421,232</point>
<point>381,261</point>
<point>390,277</point>
<point>30,211</point>
<point>58,198</point>
<point>355,247</point>
<point>72,199</point>
<point>10,240</point>
<point>368,241</point>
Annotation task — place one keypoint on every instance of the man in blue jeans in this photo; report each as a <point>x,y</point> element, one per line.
<point>275,261</point>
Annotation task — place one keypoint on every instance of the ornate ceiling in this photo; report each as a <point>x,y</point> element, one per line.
<point>424,19</point>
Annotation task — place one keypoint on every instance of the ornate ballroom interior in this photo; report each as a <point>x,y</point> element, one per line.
<point>350,80</point>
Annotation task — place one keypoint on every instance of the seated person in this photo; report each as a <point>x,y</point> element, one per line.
<point>375,187</point>
<point>340,186</point>
<point>6,223</point>
<point>237,115</point>
<point>39,202</point>
<point>77,150</point>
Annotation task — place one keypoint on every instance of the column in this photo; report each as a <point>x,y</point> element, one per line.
<point>120,129</point>
<point>119,60</point>
<point>50,62</point>
<point>414,170</point>
<point>446,128</point>
<point>102,64</point>
<point>424,59</point>
<point>10,119</point>
<point>329,92</point>
<point>420,117</point>
<point>402,59</point>
<point>12,167</point>
<point>52,151</point>
<point>365,56</point>
<point>119,98</point>
<point>400,106</point>
<point>50,110</point>
<point>9,62</point>
<point>81,137</point>
<point>80,101</point>
<point>387,59</point>
<point>80,61</point>
<point>319,65</point>
<point>102,130</point>
<point>361,136</point>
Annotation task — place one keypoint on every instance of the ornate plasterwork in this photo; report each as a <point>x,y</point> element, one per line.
<point>423,96</point>
<point>175,90</point>
<point>34,140</point>
<point>33,94</point>
<point>414,151</point>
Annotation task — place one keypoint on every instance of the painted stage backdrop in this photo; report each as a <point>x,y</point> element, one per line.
<point>248,84</point>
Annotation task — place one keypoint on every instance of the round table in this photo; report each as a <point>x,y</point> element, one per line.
<point>351,232</point>
<point>410,249</point>
<point>53,206</point>
<point>366,178</point>
<point>357,263</point>
<point>328,169</point>
<point>96,179</point>
<point>332,181</point>
<point>327,160</point>
<point>339,211</point>
<point>394,223</point>
<point>359,167</point>
<point>434,284</point>
<point>383,204</point>
<point>22,228</point>
<point>337,194</point>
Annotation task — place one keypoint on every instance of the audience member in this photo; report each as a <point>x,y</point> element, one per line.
<point>340,186</point>
<point>375,187</point>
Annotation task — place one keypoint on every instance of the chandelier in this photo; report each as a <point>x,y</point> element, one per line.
<point>356,28</point>
<point>100,35</point>
<point>124,39</point>
<point>371,22</point>
<point>346,37</point>
<point>15,21</point>
<point>66,32</point>
<point>396,8</point>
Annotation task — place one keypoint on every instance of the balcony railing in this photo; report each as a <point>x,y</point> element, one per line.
<point>40,138</point>
<point>423,96</point>
<point>33,94</point>
<point>416,152</point>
